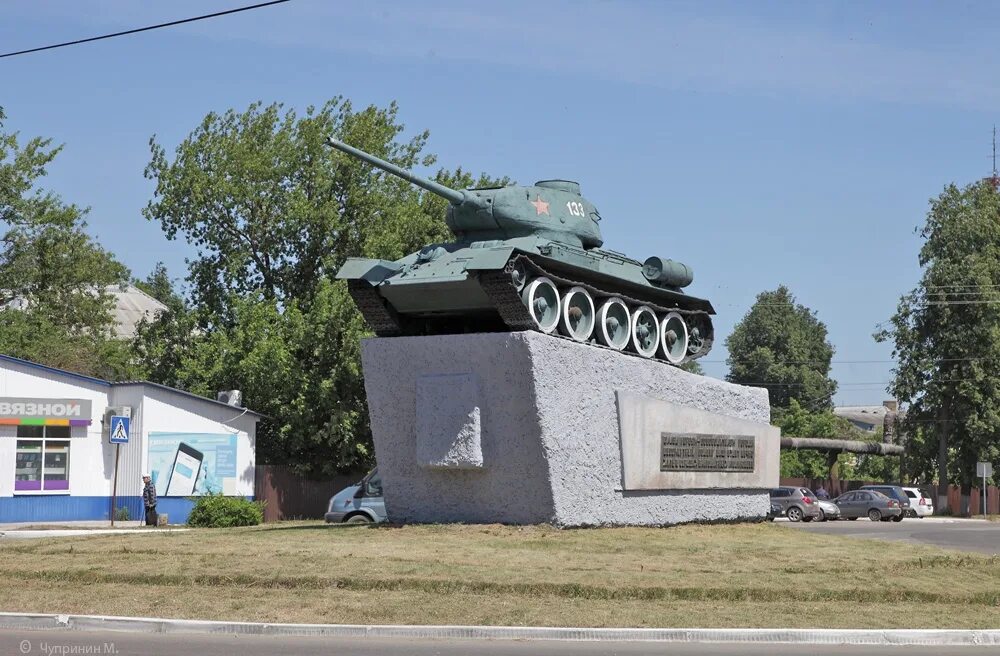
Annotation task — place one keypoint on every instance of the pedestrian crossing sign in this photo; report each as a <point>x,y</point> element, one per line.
<point>119,429</point>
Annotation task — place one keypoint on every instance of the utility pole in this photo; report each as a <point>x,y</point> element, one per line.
<point>942,431</point>
<point>995,179</point>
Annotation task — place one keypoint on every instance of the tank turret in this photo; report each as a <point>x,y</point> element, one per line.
<point>529,258</point>
<point>550,207</point>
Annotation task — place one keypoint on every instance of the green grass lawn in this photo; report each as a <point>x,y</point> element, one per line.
<point>689,576</point>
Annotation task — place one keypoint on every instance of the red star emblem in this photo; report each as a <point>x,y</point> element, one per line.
<point>541,207</point>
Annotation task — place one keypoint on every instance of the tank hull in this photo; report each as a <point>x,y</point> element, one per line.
<point>479,287</point>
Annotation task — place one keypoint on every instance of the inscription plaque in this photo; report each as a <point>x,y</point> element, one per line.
<point>702,452</point>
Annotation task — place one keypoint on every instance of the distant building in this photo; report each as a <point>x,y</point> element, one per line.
<point>131,305</point>
<point>868,418</point>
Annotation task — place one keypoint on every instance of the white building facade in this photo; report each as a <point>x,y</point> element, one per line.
<point>57,462</point>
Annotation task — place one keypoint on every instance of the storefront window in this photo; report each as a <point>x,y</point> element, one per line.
<point>42,464</point>
<point>28,467</point>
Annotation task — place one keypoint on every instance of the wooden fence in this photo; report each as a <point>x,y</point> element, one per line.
<point>291,496</point>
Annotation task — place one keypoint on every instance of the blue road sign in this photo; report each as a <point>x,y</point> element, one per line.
<point>119,429</point>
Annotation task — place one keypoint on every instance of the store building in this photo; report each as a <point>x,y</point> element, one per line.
<point>57,462</point>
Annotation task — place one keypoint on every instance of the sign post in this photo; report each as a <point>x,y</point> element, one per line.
<point>985,470</point>
<point>118,434</point>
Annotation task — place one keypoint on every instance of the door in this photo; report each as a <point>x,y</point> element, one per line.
<point>372,501</point>
<point>866,501</point>
<point>781,497</point>
<point>848,505</point>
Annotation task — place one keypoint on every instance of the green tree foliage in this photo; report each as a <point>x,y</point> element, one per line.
<point>797,421</point>
<point>693,367</point>
<point>159,285</point>
<point>273,213</point>
<point>871,467</point>
<point>55,307</point>
<point>946,336</point>
<point>782,346</point>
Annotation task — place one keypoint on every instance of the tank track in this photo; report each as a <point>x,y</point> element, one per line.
<point>382,318</point>
<point>500,288</point>
<point>505,297</point>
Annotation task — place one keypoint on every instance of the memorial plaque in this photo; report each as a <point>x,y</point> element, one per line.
<point>703,452</point>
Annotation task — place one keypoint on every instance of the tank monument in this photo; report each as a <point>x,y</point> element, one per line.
<point>524,374</point>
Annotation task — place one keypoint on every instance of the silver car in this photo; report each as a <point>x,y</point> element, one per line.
<point>358,504</point>
<point>868,503</point>
<point>797,503</point>
<point>828,510</point>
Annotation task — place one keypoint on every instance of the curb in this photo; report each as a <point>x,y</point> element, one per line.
<point>869,637</point>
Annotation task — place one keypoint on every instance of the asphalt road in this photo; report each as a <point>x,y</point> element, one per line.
<point>962,534</point>
<point>109,643</point>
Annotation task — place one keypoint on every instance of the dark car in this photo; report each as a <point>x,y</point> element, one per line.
<point>893,492</point>
<point>797,503</point>
<point>868,503</point>
<point>775,511</point>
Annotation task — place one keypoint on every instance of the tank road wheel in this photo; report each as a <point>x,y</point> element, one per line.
<point>645,332</point>
<point>576,320</point>
<point>542,300</point>
<point>673,338</point>
<point>519,276</point>
<point>613,323</point>
<point>696,336</point>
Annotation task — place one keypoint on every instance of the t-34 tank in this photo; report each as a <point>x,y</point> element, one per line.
<point>529,258</point>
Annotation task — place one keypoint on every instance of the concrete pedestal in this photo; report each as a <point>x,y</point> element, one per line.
<point>526,428</point>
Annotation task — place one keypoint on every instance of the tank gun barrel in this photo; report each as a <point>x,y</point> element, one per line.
<point>451,195</point>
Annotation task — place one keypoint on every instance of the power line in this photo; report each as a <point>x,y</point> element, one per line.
<point>823,362</point>
<point>857,384</point>
<point>144,29</point>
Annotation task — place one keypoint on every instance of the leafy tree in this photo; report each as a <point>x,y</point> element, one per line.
<point>946,335</point>
<point>693,367</point>
<point>872,467</point>
<point>782,346</point>
<point>158,285</point>
<point>53,295</point>
<point>274,212</point>
<point>798,421</point>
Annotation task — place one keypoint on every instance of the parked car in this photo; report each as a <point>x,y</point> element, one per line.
<point>868,503</point>
<point>828,510</point>
<point>797,503</point>
<point>921,505</point>
<point>361,503</point>
<point>775,511</point>
<point>893,492</point>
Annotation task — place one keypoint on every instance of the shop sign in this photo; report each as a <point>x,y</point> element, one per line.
<point>44,412</point>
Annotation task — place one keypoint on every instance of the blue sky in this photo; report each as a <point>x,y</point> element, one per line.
<point>761,143</point>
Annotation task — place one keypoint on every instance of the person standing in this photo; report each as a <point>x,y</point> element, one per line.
<point>149,500</point>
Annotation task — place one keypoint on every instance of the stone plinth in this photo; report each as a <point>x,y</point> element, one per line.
<point>527,428</point>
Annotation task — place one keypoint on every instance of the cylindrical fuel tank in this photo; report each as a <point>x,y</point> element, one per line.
<point>666,272</point>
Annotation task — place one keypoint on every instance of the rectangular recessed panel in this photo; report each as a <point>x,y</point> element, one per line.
<point>449,429</point>
<point>702,452</point>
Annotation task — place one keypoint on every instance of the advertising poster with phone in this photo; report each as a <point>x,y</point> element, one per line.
<point>192,464</point>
